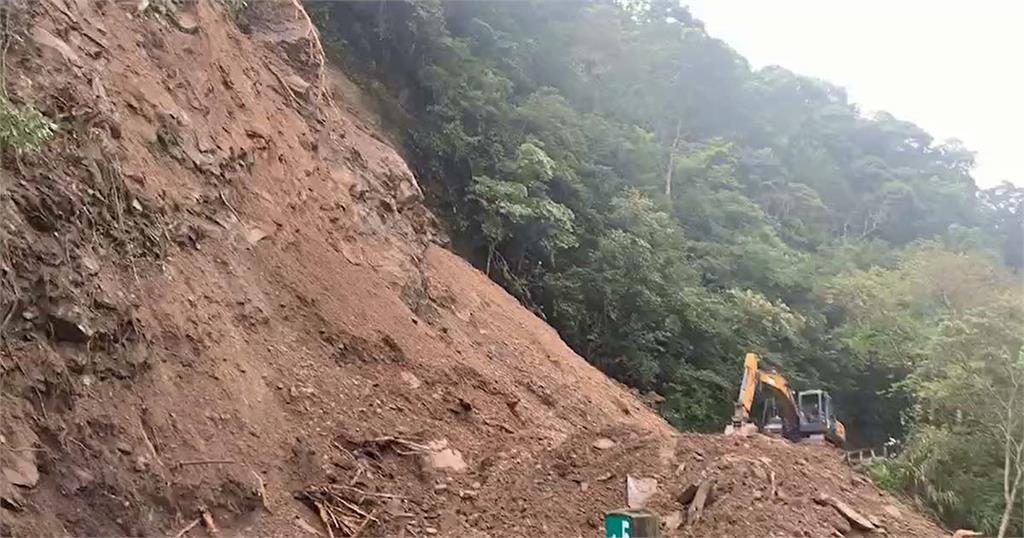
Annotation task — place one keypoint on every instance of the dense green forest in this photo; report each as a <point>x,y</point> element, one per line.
<point>667,208</point>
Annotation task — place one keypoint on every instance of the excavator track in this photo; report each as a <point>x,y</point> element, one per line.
<point>816,439</point>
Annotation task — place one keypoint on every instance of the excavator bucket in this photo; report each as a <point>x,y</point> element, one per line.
<point>743,430</point>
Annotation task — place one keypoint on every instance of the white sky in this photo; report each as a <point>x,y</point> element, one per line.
<point>954,68</point>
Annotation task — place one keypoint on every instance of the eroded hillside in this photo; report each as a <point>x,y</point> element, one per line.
<point>226,310</point>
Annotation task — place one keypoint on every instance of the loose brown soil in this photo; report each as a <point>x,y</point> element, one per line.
<point>221,299</point>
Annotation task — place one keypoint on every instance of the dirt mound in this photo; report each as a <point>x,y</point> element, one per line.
<point>770,487</point>
<point>223,305</point>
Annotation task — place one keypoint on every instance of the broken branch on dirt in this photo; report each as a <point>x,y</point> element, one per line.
<point>854,517</point>
<point>370,493</point>
<point>322,513</point>
<point>261,489</point>
<point>229,206</point>
<point>149,444</point>
<point>189,527</point>
<point>393,442</point>
<point>344,509</point>
<point>362,525</point>
<point>187,463</point>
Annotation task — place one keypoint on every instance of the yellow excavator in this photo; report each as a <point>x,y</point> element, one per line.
<point>805,416</point>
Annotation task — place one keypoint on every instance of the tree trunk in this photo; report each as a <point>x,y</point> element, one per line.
<point>672,160</point>
<point>1013,460</point>
<point>1004,525</point>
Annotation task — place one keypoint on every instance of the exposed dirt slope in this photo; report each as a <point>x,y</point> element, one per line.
<point>221,295</point>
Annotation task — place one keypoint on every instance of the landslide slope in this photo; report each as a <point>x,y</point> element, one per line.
<point>221,300</point>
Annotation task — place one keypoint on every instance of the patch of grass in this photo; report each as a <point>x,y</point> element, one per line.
<point>236,7</point>
<point>23,127</point>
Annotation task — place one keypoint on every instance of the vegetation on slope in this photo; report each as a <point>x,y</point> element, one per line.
<point>668,208</point>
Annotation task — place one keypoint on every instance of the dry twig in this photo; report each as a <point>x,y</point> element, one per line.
<point>186,463</point>
<point>262,490</point>
<point>189,527</point>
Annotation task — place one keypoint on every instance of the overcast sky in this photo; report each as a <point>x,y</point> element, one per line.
<point>954,68</point>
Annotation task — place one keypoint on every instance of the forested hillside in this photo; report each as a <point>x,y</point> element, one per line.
<point>667,208</point>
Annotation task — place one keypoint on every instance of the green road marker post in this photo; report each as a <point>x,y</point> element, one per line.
<point>631,524</point>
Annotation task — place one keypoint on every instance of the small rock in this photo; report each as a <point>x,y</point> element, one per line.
<point>639,491</point>
<point>410,380</point>
<point>66,328</point>
<point>841,525</point>
<point>584,486</point>
<point>447,458</point>
<point>430,530</point>
<point>186,23</point>
<point>19,467</point>
<point>123,447</point>
<point>296,83</point>
<point>83,476</point>
<point>475,485</point>
<point>407,192</point>
<point>440,487</point>
<point>673,520</point>
<point>603,443</point>
<point>686,496</point>
<point>255,235</point>
<point>892,511</point>
<point>9,496</point>
<point>46,40</point>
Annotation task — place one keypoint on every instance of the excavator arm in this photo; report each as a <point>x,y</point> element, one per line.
<point>752,378</point>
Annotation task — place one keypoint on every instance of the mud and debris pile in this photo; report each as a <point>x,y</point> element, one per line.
<point>762,486</point>
<point>224,309</point>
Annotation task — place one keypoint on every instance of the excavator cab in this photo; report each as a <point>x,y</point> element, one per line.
<point>817,417</point>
